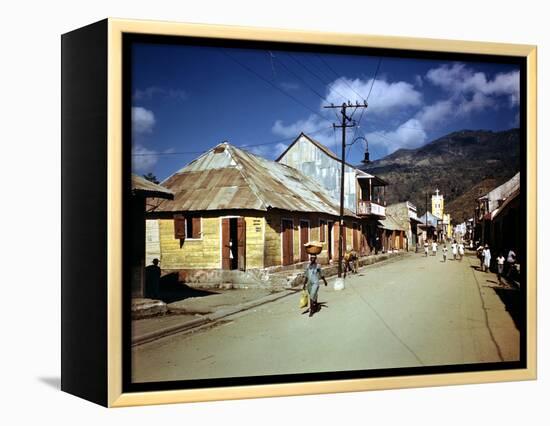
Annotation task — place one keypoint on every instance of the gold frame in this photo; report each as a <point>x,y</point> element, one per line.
<point>116,27</point>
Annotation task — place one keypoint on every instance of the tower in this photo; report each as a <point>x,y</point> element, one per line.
<point>438,204</point>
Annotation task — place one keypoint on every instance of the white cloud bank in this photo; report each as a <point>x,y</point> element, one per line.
<point>386,96</point>
<point>143,121</point>
<point>466,92</point>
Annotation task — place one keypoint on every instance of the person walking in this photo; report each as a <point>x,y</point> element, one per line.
<point>454,249</point>
<point>426,248</point>
<point>500,267</point>
<point>486,258</point>
<point>480,252</point>
<point>460,251</point>
<point>444,251</point>
<point>434,248</point>
<point>313,274</point>
<point>510,262</point>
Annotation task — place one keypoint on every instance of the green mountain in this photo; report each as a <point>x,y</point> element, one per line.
<point>461,165</point>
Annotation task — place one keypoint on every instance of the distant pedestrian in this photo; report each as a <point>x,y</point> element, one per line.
<point>426,248</point>
<point>454,249</point>
<point>460,251</point>
<point>313,274</point>
<point>480,253</point>
<point>434,248</point>
<point>486,258</point>
<point>510,262</point>
<point>500,267</point>
<point>444,251</point>
<point>152,280</point>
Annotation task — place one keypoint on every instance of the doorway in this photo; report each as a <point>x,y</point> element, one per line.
<point>287,229</point>
<point>233,243</point>
<point>304,238</point>
<point>329,239</point>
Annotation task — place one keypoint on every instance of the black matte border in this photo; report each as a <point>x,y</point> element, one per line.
<point>129,39</point>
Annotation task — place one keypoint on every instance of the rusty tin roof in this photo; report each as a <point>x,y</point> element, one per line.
<point>230,178</point>
<point>145,188</point>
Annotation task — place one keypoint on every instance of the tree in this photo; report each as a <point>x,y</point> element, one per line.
<point>151,177</point>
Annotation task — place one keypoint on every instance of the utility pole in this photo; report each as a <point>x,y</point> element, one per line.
<point>345,123</point>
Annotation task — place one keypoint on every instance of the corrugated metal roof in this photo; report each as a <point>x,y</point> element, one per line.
<point>229,178</point>
<point>391,224</point>
<point>359,173</point>
<point>149,189</point>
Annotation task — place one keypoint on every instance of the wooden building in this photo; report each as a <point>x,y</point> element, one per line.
<point>142,191</point>
<point>233,210</point>
<point>404,214</point>
<point>364,194</point>
<point>488,205</point>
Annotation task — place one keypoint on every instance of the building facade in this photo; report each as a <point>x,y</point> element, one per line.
<point>233,210</point>
<point>364,194</point>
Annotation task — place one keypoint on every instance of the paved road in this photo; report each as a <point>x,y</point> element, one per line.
<point>412,311</point>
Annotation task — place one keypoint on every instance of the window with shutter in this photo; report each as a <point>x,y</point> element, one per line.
<point>193,228</point>
<point>179,227</point>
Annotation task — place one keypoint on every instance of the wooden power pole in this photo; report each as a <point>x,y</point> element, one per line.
<point>345,123</point>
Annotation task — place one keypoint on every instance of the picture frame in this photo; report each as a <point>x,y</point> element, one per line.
<point>95,160</point>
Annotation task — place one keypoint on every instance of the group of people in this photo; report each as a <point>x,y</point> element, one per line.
<point>457,249</point>
<point>505,265</point>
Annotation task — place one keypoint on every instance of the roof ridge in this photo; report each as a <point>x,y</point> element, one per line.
<point>192,161</point>
<point>253,187</point>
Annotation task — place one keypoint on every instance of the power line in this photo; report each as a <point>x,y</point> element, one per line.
<point>324,82</point>
<point>338,76</point>
<point>374,78</point>
<point>238,146</point>
<point>370,90</point>
<point>284,92</point>
<point>299,78</point>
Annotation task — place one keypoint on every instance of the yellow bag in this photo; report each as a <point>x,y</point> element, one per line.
<point>303,299</point>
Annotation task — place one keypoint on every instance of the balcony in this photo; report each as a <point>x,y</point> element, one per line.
<point>366,208</point>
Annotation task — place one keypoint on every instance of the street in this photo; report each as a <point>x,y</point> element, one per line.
<point>412,311</point>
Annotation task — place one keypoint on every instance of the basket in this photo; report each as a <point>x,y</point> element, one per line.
<point>313,247</point>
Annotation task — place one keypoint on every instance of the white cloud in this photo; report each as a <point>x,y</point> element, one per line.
<point>431,115</point>
<point>408,135</point>
<point>309,125</point>
<point>313,126</point>
<point>459,80</point>
<point>385,97</point>
<point>143,120</point>
<point>143,159</point>
<point>268,151</point>
<point>150,92</point>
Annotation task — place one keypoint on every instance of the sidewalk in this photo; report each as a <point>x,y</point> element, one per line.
<point>210,306</point>
<point>198,311</point>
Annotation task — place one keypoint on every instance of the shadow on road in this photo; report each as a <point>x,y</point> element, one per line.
<point>514,303</point>
<point>173,290</point>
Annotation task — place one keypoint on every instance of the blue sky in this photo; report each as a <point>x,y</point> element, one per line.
<point>187,99</point>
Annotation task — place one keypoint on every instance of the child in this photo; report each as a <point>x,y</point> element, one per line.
<point>444,251</point>
<point>426,248</point>
<point>434,248</point>
<point>460,251</point>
